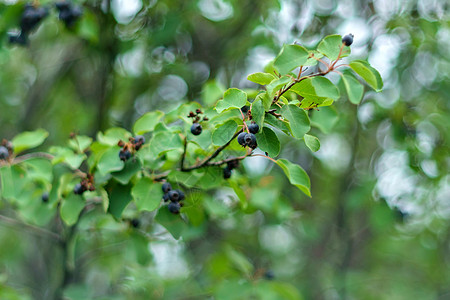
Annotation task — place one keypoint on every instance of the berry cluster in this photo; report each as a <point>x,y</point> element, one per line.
<point>135,143</point>
<point>85,185</point>
<point>347,40</point>
<point>6,149</point>
<point>68,13</point>
<point>196,128</point>
<point>174,196</point>
<point>45,197</point>
<point>33,15</point>
<point>233,164</point>
<point>249,139</point>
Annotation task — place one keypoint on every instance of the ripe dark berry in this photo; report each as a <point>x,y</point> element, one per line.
<point>174,195</point>
<point>241,139</point>
<point>269,275</point>
<point>45,197</point>
<point>79,189</point>
<point>250,140</point>
<point>18,38</point>
<point>233,164</point>
<point>182,196</point>
<point>135,223</point>
<point>245,109</point>
<point>139,139</point>
<point>4,153</point>
<point>124,155</point>
<point>166,197</point>
<point>226,173</point>
<point>174,207</point>
<point>253,128</point>
<point>68,13</point>
<point>31,17</point>
<point>166,187</point>
<point>347,40</point>
<point>196,129</point>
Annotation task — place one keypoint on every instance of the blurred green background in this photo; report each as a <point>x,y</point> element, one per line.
<point>377,226</point>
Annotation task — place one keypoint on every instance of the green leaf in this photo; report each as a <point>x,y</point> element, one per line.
<point>330,46</point>
<point>265,100</point>
<point>268,141</point>
<point>146,194</point>
<point>71,208</point>
<point>112,136</point>
<point>276,85</point>
<point>290,57</point>
<point>139,244</point>
<point>258,112</point>
<point>261,78</point>
<point>312,61</point>
<point>368,73</point>
<point>325,119</point>
<point>312,142</point>
<point>239,261</point>
<point>296,175</point>
<point>119,197</point>
<point>224,132</point>
<point>147,122</point>
<point>110,161</point>
<point>29,139</point>
<point>298,120</point>
<point>232,98</point>
<point>80,143</point>
<point>173,223</point>
<point>164,141</point>
<point>11,180</point>
<point>355,90</point>
<point>211,92</point>
<point>131,168</point>
<point>317,89</point>
<point>66,155</point>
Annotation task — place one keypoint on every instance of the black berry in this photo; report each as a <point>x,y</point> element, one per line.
<point>45,197</point>
<point>135,223</point>
<point>269,275</point>
<point>68,13</point>
<point>347,40</point>
<point>233,164</point>
<point>253,128</point>
<point>250,140</point>
<point>4,153</point>
<point>196,129</point>
<point>181,195</point>
<point>31,17</point>
<point>166,187</point>
<point>79,189</point>
<point>226,173</point>
<point>124,154</point>
<point>174,207</point>
<point>18,38</point>
<point>241,139</point>
<point>174,195</point>
<point>166,197</point>
<point>139,139</point>
<point>245,109</point>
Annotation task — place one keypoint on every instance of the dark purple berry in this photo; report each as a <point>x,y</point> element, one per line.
<point>174,195</point>
<point>233,164</point>
<point>347,40</point>
<point>135,223</point>
<point>4,153</point>
<point>166,187</point>
<point>45,197</point>
<point>79,189</point>
<point>31,17</point>
<point>241,139</point>
<point>166,197</point>
<point>174,207</point>
<point>269,275</point>
<point>139,139</point>
<point>253,128</point>
<point>181,195</point>
<point>124,155</point>
<point>196,129</point>
<point>226,173</point>
<point>245,109</point>
<point>250,140</point>
<point>68,13</point>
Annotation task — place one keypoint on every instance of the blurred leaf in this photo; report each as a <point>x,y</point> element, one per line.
<point>232,98</point>
<point>80,143</point>
<point>312,142</point>
<point>71,208</point>
<point>164,141</point>
<point>296,175</point>
<point>173,223</point>
<point>290,57</point>
<point>212,91</point>
<point>119,197</point>
<point>330,46</point>
<point>131,168</point>
<point>298,120</point>
<point>139,244</point>
<point>369,74</point>
<point>147,122</point>
<point>239,261</point>
<point>112,136</point>
<point>110,161</point>
<point>146,194</point>
<point>65,155</point>
<point>355,90</point>
<point>325,119</point>
<point>29,139</point>
<point>261,78</point>
<point>268,141</point>
<point>224,132</point>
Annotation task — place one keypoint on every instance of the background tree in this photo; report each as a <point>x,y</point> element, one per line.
<point>375,227</point>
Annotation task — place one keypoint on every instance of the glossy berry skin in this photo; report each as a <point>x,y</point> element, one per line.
<point>4,153</point>
<point>196,129</point>
<point>226,173</point>
<point>241,139</point>
<point>174,195</point>
<point>166,187</point>
<point>347,40</point>
<point>124,155</point>
<point>174,207</point>
<point>79,189</point>
<point>250,140</point>
<point>45,197</point>
<point>253,128</point>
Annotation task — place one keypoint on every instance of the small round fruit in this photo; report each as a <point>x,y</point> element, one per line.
<point>253,128</point>
<point>139,139</point>
<point>45,197</point>
<point>245,109</point>
<point>166,197</point>
<point>250,140</point>
<point>347,40</point>
<point>182,196</point>
<point>196,129</point>
<point>124,155</point>
<point>135,223</point>
<point>269,275</point>
<point>241,139</point>
<point>4,153</point>
<point>174,207</point>
<point>79,189</point>
<point>174,195</point>
<point>226,173</point>
<point>166,187</point>
<point>233,164</point>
